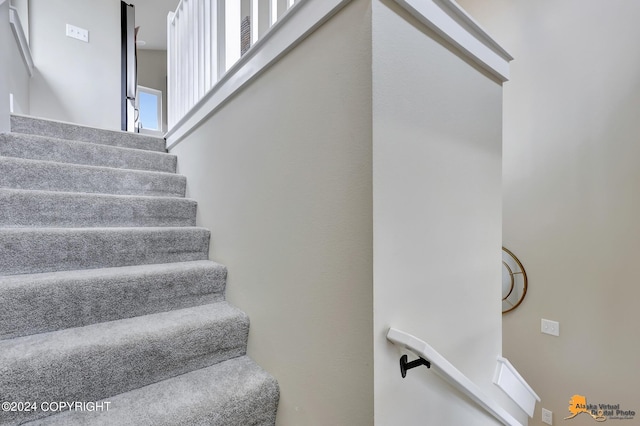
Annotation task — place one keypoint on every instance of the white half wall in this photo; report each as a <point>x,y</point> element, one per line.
<point>437,207</point>
<point>73,80</point>
<point>282,176</point>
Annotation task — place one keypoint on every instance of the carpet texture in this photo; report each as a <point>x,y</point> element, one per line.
<point>20,173</point>
<point>29,208</point>
<point>107,292</point>
<point>89,154</point>
<point>211,396</point>
<point>61,130</point>
<point>39,303</point>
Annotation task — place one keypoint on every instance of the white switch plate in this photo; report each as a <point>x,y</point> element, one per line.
<point>78,33</point>
<point>547,416</point>
<point>550,327</point>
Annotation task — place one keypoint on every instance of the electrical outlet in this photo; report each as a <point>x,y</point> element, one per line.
<point>547,416</point>
<point>550,327</point>
<point>78,33</point>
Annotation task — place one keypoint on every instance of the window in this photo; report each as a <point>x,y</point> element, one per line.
<point>149,105</point>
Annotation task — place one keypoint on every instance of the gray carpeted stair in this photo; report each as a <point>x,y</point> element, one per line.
<point>61,130</point>
<point>39,303</point>
<point>36,250</point>
<point>210,396</point>
<point>89,154</point>
<point>106,290</point>
<point>51,176</point>
<point>27,208</point>
<point>69,365</point>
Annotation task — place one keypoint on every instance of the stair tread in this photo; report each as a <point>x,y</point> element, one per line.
<point>20,208</point>
<point>35,250</point>
<point>72,131</point>
<point>70,364</point>
<point>39,303</point>
<point>48,148</point>
<point>20,173</point>
<point>210,396</point>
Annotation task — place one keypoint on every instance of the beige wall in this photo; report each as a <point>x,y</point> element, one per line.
<point>571,198</point>
<point>152,73</point>
<point>282,175</point>
<point>437,221</point>
<point>76,81</point>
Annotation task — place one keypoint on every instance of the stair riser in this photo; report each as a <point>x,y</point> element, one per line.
<point>46,176</point>
<point>90,368</point>
<point>54,129</point>
<point>21,209</point>
<point>40,303</point>
<point>29,251</point>
<point>64,151</point>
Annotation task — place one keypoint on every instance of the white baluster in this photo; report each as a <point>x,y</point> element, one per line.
<point>232,32</point>
<point>221,37</point>
<point>255,20</point>
<point>206,47</point>
<point>170,72</point>
<point>273,12</point>
<point>201,42</point>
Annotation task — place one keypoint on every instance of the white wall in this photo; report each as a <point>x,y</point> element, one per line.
<point>18,77</point>
<point>76,81</point>
<point>152,73</point>
<point>571,199</point>
<point>5,39</point>
<point>437,221</point>
<point>282,176</point>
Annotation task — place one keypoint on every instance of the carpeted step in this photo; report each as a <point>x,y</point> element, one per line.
<point>236,392</point>
<point>62,130</point>
<point>19,173</point>
<point>39,303</point>
<point>102,360</point>
<point>26,208</point>
<point>90,154</point>
<point>35,250</point>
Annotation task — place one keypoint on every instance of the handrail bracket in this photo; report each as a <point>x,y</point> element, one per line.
<point>406,365</point>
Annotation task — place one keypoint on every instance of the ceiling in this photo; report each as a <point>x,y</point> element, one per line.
<point>151,17</point>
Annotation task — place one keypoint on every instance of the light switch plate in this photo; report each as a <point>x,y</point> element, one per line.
<point>78,33</point>
<point>550,327</point>
<point>547,416</point>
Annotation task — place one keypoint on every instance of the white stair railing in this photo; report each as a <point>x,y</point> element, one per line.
<point>451,374</point>
<point>204,41</point>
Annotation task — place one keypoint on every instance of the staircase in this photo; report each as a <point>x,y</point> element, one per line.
<point>106,293</point>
